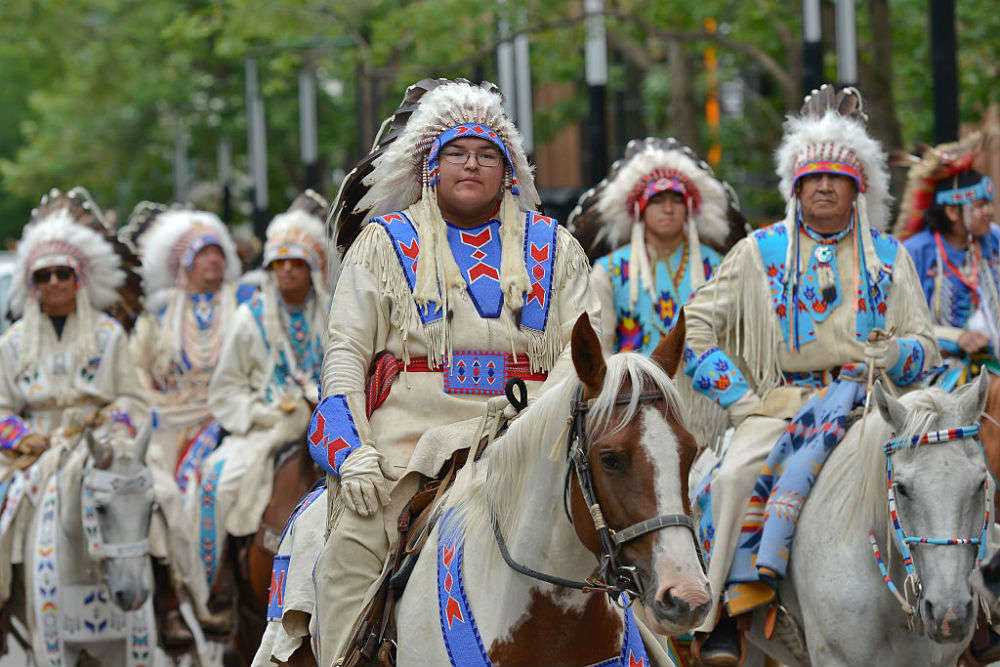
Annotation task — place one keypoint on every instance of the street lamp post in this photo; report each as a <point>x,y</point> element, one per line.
<point>812,46</point>
<point>308,149</point>
<point>847,43</point>
<point>596,71</point>
<point>945,71</point>
<point>257,141</point>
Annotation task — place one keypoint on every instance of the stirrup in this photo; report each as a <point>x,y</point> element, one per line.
<point>698,642</point>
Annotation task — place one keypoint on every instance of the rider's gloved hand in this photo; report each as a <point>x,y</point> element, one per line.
<point>746,405</point>
<point>883,353</point>
<point>264,416</point>
<point>363,486</point>
<point>33,443</point>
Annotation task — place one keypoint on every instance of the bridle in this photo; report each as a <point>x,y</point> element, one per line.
<point>95,479</point>
<point>615,577</point>
<point>912,588</point>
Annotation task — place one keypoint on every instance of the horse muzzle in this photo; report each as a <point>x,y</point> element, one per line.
<point>948,621</point>
<point>672,609</point>
<point>678,599</point>
<point>129,589</point>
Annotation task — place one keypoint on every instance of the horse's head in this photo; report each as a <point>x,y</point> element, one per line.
<point>639,455</point>
<point>941,492</point>
<point>117,502</point>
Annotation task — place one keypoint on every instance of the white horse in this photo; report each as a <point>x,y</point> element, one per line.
<point>87,571</point>
<point>835,590</point>
<point>638,454</point>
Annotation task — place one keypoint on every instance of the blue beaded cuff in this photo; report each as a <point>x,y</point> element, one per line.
<point>910,365</point>
<point>716,376</point>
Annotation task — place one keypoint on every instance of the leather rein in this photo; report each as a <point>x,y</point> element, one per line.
<point>615,577</point>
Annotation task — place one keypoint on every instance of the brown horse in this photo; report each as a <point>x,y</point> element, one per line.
<point>294,475</point>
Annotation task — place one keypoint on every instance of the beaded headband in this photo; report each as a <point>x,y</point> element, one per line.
<point>957,196</point>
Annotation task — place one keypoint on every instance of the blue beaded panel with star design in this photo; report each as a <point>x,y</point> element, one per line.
<point>477,253</point>
<point>639,329</point>
<point>539,260</point>
<point>871,296</point>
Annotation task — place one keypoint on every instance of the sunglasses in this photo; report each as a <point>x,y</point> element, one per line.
<point>43,276</point>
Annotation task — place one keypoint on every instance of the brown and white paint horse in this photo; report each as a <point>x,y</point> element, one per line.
<point>639,453</point>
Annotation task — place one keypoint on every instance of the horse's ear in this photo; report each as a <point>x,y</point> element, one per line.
<point>892,411</point>
<point>588,359</point>
<point>142,441</point>
<point>100,452</point>
<point>972,397</point>
<point>670,350</point>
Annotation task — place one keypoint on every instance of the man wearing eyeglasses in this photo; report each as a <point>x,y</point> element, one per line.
<point>452,285</point>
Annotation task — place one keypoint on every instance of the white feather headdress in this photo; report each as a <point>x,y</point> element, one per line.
<point>631,173</point>
<point>57,239</point>
<point>836,138</point>
<point>649,163</point>
<point>829,136</point>
<point>173,234</point>
<point>300,233</point>
<point>396,181</point>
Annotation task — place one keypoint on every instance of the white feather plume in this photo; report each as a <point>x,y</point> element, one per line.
<point>395,182</point>
<point>162,251</point>
<point>710,217</point>
<point>98,266</point>
<point>839,138</point>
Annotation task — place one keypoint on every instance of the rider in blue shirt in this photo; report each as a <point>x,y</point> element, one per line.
<point>956,249</point>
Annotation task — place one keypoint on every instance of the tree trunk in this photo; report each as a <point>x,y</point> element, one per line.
<point>877,75</point>
<point>683,118</point>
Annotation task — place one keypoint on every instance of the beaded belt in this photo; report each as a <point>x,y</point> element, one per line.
<point>479,372</point>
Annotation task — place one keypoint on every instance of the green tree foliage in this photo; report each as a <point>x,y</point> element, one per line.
<point>96,92</point>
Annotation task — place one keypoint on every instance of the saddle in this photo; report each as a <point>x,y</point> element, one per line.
<point>373,638</point>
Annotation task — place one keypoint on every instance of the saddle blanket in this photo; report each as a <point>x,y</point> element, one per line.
<point>458,625</point>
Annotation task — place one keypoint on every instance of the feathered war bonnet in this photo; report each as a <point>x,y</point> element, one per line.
<point>298,233</point>
<point>829,136</point>
<point>933,180</point>
<point>61,232</point>
<point>405,177</point>
<point>651,166</point>
<point>170,244</point>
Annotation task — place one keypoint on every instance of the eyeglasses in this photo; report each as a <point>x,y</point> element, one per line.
<point>43,276</point>
<point>455,156</point>
<point>278,264</point>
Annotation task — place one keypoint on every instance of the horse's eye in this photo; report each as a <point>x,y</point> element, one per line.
<point>612,461</point>
<point>902,490</point>
<point>101,509</point>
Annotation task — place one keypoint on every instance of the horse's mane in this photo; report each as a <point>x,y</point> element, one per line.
<point>498,480</point>
<point>859,468</point>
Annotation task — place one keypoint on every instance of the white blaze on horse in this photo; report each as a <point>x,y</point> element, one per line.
<point>630,454</point>
<point>87,573</point>
<point>940,490</point>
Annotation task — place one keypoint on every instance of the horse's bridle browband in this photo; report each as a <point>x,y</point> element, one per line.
<point>615,577</point>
